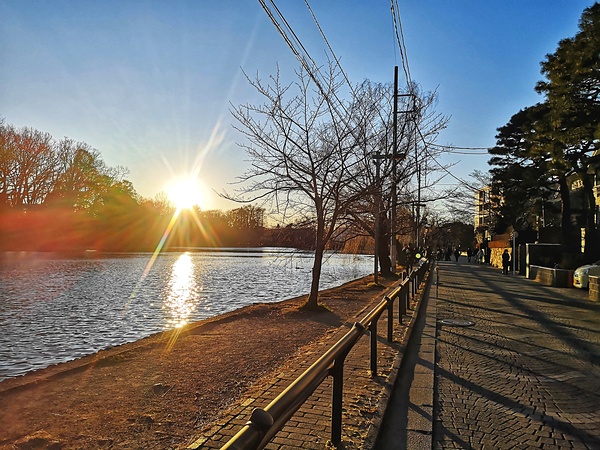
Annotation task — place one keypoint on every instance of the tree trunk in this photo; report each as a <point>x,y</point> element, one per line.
<point>383,249</point>
<point>313,296</point>
<point>565,210</point>
<point>385,262</point>
<point>320,242</point>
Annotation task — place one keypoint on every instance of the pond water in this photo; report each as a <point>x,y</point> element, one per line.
<point>54,309</point>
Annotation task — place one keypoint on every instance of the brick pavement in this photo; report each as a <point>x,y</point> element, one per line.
<point>526,375</point>
<point>364,401</point>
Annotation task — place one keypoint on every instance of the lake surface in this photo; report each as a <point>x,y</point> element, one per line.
<point>54,309</point>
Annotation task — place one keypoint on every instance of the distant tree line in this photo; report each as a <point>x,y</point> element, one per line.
<point>546,157</point>
<point>61,196</point>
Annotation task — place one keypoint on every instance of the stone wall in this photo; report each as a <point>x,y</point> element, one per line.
<point>545,255</point>
<point>594,288</point>
<point>551,277</point>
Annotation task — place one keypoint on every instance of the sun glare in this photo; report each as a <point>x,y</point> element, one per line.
<point>185,194</point>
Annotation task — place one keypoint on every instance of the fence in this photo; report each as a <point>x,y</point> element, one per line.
<point>265,423</point>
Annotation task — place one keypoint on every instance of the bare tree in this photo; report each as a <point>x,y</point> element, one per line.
<point>246,217</point>
<point>460,204</point>
<point>301,144</point>
<point>36,169</point>
<point>312,154</point>
<point>7,162</point>
<point>27,162</point>
<point>80,175</point>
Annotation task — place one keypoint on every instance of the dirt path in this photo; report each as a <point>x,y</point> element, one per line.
<point>159,391</point>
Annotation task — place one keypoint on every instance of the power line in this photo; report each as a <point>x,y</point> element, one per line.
<point>460,180</point>
<point>308,63</point>
<point>401,42</point>
<point>473,151</point>
<point>468,153</point>
<point>454,147</point>
<point>405,66</point>
<point>303,56</point>
<point>337,61</point>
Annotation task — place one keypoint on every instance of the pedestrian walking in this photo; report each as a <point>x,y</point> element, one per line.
<point>505,261</point>
<point>469,254</point>
<point>456,254</point>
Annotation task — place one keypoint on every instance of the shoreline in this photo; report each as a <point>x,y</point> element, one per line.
<point>148,342</point>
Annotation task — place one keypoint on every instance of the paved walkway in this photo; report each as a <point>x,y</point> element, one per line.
<point>526,374</point>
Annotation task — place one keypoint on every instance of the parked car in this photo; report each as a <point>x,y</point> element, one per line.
<point>582,274</point>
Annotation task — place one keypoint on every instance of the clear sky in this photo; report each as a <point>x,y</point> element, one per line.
<point>149,83</point>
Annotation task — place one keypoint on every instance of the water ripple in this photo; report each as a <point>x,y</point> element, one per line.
<point>54,309</point>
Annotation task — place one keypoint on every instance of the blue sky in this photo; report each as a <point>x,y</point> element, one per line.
<point>149,83</point>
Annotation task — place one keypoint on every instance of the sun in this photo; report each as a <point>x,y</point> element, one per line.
<point>185,193</point>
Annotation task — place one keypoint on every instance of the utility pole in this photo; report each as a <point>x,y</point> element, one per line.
<point>393,255</point>
<point>418,224</point>
<point>395,158</point>
<point>418,166</point>
<point>377,157</point>
<point>412,136</point>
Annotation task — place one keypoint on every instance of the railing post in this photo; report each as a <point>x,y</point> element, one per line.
<point>337,372</point>
<point>373,330</point>
<point>402,301</point>
<point>390,308</point>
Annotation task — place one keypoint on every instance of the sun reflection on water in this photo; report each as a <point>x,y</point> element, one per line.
<point>183,296</point>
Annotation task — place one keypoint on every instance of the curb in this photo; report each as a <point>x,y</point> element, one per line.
<point>384,398</point>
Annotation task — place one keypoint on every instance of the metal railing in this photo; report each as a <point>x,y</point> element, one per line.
<point>265,423</point>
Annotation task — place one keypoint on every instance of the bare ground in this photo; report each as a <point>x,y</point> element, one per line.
<point>160,391</point>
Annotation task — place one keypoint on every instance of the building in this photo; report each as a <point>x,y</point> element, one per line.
<point>485,204</point>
